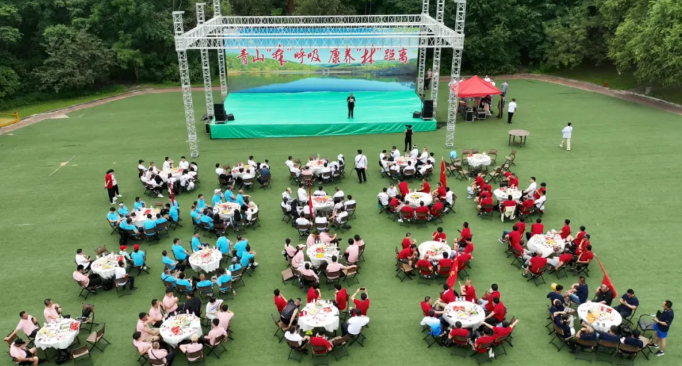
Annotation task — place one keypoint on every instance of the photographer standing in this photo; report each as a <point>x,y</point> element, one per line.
<point>408,137</point>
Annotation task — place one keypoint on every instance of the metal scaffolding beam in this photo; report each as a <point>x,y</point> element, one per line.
<point>453,98</point>
<point>435,79</point>
<point>186,87</point>
<point>421,65</point>
<point>221,56</point>
<point>205,67</point>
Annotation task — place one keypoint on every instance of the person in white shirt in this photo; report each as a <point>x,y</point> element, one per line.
<point>325,169</point>
<point>383,197</point>
<point>531,188</point>
<point>392,191</point>
<point>395,153</point>
<point>321,220</point>
<point>349,201</point>
<point>141,166</point>
<point>355,323</point>
<point>385,166</point>
<point>82,259</point>
<point>339,193</point>
<point>120,272</point>
<point>567,131</point>
<point>409,169</point>
<point>289,162</point>
<point>423,157</point>
<point>340,216</point>
<point>449,196</point>
<point>212,308</point>
<point>293,335</point>
<point>302,194</point>
<point>167,163</point>
<point>302,221</point>
<point>510,110</point>
<point>252,164</point>
<point>294,169</point>
<point>540,202</point>
<point>285,205</point>
<point>382,155</point>
<point>361,166</point>
<point>265,165</point>
<point>152,168</point>
<point>320,192</point>
<point>183,164</point>
<point>431,160</point>
<point>424,168</point>
<point>287,194</point>
<point>219,170</point>
<point>415,152</point>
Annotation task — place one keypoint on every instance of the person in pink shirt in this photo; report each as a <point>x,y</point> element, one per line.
<point>307,271</point>
<point>22,355</point>
<point>328,239</point>
<point>299,257</point>
<point>352,252</point>
<point>170,302</point>
<point>225,316</point>
<point>140,344</point>
<point>28,324</point>
<point>156,313</point>
<point>195,346</point>
<point>52,311</point>
<point>149,334</point>
<point>289,250</point>
<point>215,332</point>
<point>312,240</point>
<point>335,266</point>
<point>358,241</point>
<point>158,353</point>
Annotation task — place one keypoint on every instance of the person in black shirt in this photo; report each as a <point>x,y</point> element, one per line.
<point>290,311</point>
<point>662,324</point>
<point>611,335</point>
<point>556,294</point>
<point>634,341</point>
<point>408,137</point>
<point>351,105</point>
<point>193,304</point>
<point>604,295</point>
<point>628,303</point>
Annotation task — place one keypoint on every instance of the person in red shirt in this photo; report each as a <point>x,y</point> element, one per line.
<point>483,340</point>
<point>585,257</point>
<point>423,210</point>
<point>425,187</point>
<point>408,255</point>
<point>404,188</point>
<point>393,205</point>
<point>406,213</point>
<point>425,267</point>
<point>566,258</point>
<point>513,181</point>
<point>536,229</point>
<point>578,238</point>
<point>465,232</point>
<point>458,331</point>
<point>488,201</point>
<point>485,193</point>
<point>444,265</point>
<point>543,189</point>
<point>583,244</point>
<point>487,300</point>
<point>110,186</point>
<point>426,306</point>
<point>476,186</point>
<point>466,246</point>
<point>440,192</point>
<point>462,261</point>
<point>447,296</point>
<point>521,226</point>
<point>407,240</point>
<point>503,330</point>
<point>280,301</point>
<point>340,297</point>
<point>439,235</point>
<point>566,230</point>
<point>468,291</point>
<point>497,315</point>
<point>511,237</point>
<point>536,263</point>
<point>437,208</point>
<point>319,341</point>
<point>363,303</point>
<point>527,206</point>
<point>314,293</point>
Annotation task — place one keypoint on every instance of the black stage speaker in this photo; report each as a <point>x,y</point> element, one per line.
<point>416,114</point>
<point>219,110</point>
<point>469,115</point>
<point>230,117</point>
<point>427,109</point>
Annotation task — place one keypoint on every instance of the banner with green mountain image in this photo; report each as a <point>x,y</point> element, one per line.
<point>288,70</point>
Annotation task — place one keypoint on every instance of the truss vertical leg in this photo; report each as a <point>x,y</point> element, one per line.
<point>453,99</point>
<point>435,78</point>
<point>216,8</point>
<point>205,65</point>
<point>421,69</point>
<point>186,85</point>
<point>221,54</point>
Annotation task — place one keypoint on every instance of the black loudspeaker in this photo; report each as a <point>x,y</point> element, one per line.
<point>416,114</point>
<point>427,109</point>
<point>219,110</point>
<point>230,117</point>
<point>469,115</point>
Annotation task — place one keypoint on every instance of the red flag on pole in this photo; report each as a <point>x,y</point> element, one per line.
<point>172,196</point>
<point>443,177</point>
<point>606,280</point>
<point>310,199</point>
<point>452,278</point>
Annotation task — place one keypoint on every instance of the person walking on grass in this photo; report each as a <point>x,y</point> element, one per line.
<point>510,111</point>
<point>567,131</point>
<point>111,186</point>
<point>663,320</point>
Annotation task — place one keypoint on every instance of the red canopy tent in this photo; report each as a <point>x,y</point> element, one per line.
<point>475,87</point>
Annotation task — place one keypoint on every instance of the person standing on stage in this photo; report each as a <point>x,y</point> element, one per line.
<point>361,166</point>
<point>351,105</point>
<point>427,80</point>
<point>408,137</point>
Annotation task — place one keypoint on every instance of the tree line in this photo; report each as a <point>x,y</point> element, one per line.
<point>63,47</point>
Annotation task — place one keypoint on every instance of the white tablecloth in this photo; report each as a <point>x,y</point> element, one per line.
<point>226,209</point>
<point>548,244</point>
<point>327,251</point>
<point>208,264</point>
<point>325,316</point>
<point>188,323</point>
<point>414,198</point>
<point>477,160</point>
<point>434,249</point>
<point>243,174</point>
<point>502,193</point>
<point>316,166</point>
<point>57,335</point>
<point>141,216</point>
<point>469,314</point>
<point>325,203</point>
<point>175,172</point>
<point>105,266</point>
<point>601,317</point>
<point>402,161</point>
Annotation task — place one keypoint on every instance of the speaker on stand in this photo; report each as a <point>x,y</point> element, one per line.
<point>219,110</point>
<point>427,110</point>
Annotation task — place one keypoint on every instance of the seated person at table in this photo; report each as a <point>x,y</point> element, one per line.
<point>167,276</point>
<point>206,218</point>
<point>628,303</point>
<point>354,324</point>
<point>487,201</point>
<point>144,326</point>
<point>498,313</point>
<point>406,213</point>
<point>509,202</point>
<point>320,192</point>
<point>113,217</point>
<point>503,329</point>
<point>248,258</point>
<point>633,340</point>
<point>89,281</point>
<point>196,242</point>
<point>314,293</point>
<point>438,208</point>
<point>527,206</point>
<point>181,282</point>
<point>82,259</point>
<point>194,346</point>
<point>439,235</point>
<point>127,225</point>
<point>578,292</point>
<point>434,323</point>
<point>224,277</point>
<point>335,266</point>
<point>604,295</point>
<point>586,332</point>
<point>363,303</point>
<point>352,253</point>
<point>22,355</point>
<point>349,201</point>
<point>578,238</point>
<point>424,266</point>
<point>215,332</point>
<point>476,186</point>
<point>535,264</point>
<point>540,202</point>
<point>180,253</point>
<point>150,224</point>
<point>611,335</point>
<point>28,323</point>
<point>462,260</point>
<point>158,353</point>
<point>326,238</point>
<point>160,220</point>
<point>138,256</point>
<point>565,259</point>
<point>447,296</point>
<point>425,187</point>
<point>308,271</point>
<point>229,196</point>
<point>423,210</point>
<point>513,181</point>
<point>485,193</point>
<point>392,191</point>
<point>321,221</point>
<point>486,338</point>
<point>170,302</point>
<point>203,282</point>
<point>122,210</point>
<point>217,198</point>
<point>532,187</point>
<point>341,217</point>
<point>423,168</point>
<point>383,197</point>
<point>409,169</point>
<point>542,189</point>
<point>440,191</point>
<point>487,299</point>
<point>409,255</point>
<point>192,305</point>
<point>444,265</point>
<point>288,315</point>
<point>458,331</point>
<point>173,213</point>
<point>156,314</point>
<point>536,229</point>
<point>556,294</point>
<point>468,291</point>
<point>585,257</point>
<point>293,335</point>
<point>139,204</point>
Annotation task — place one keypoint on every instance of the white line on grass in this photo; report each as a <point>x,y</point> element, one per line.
<point>61,165</point>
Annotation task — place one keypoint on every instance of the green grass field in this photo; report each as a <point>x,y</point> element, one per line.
<point>619,181</point>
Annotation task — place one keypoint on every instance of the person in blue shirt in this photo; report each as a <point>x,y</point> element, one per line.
<point>196,215</point>
<point>181,281</point>
<point>264,173</point>
<point>150,224</point>
<point>113,217</point>
<point>206,218</point>
<point>628,303</point>
<point>240,198</point>
<point>167,276</point>
<point>229,196</point>
<point>578,292</point>
<point>122,209</point>
<point>246,258</point>
<point>170,263</point>
<point>139,204</point>
<point>235,266</point>
<point>633,340</point>
<point>562,320</point>
<point>138,256</point>
<point>611,335</point>
<point>224,277</point>
<point>175,204</point>
<point>160,219</point>
<point>128,225</point>
<point>172,213</point>
<point>663,321</point>
<point>217,198</point>
<point>586,333</point>
<point>203,282</point>
<point>179,252</point>
<point>222,244</point>
<point>196,242</point>
<point>201,204</point>
<point>240,245</point>
<point>556,294</point>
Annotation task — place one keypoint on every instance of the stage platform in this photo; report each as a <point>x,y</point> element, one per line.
<point>266,115</point>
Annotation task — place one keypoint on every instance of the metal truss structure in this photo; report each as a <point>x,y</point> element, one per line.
<point>222,33</point>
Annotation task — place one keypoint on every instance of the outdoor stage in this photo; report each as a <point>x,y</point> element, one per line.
<point>266,115</point>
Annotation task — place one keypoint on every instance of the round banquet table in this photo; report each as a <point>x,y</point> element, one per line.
<point>325,203</point>
<point>208,260</point>
<point>502,193</point>
<point>322,253</point>
<point>243,174</point>
<point>601,317</point>
<point>105,266</point>
<point>188,324</point>
<point>521,134</point>
<point>548,244</point>
<point>316,166</point>
<point>477,160</point>
<point>414,198</point>
<point>226,209</point>
<point>141,216</point>
<point>174,172</point>
<point>469,314</point>
<point>402,161</point>
<point>57,334</point>
<point>433,249</point>
<point>322,314</point>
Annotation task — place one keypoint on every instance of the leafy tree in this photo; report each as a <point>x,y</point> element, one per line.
<point>321,7</point>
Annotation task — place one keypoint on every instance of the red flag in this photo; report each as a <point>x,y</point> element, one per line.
<point>452,279</point>
<point>172,196</point>
<point>607,281</point>
<point>443,177</point>
<point>310,199</point>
